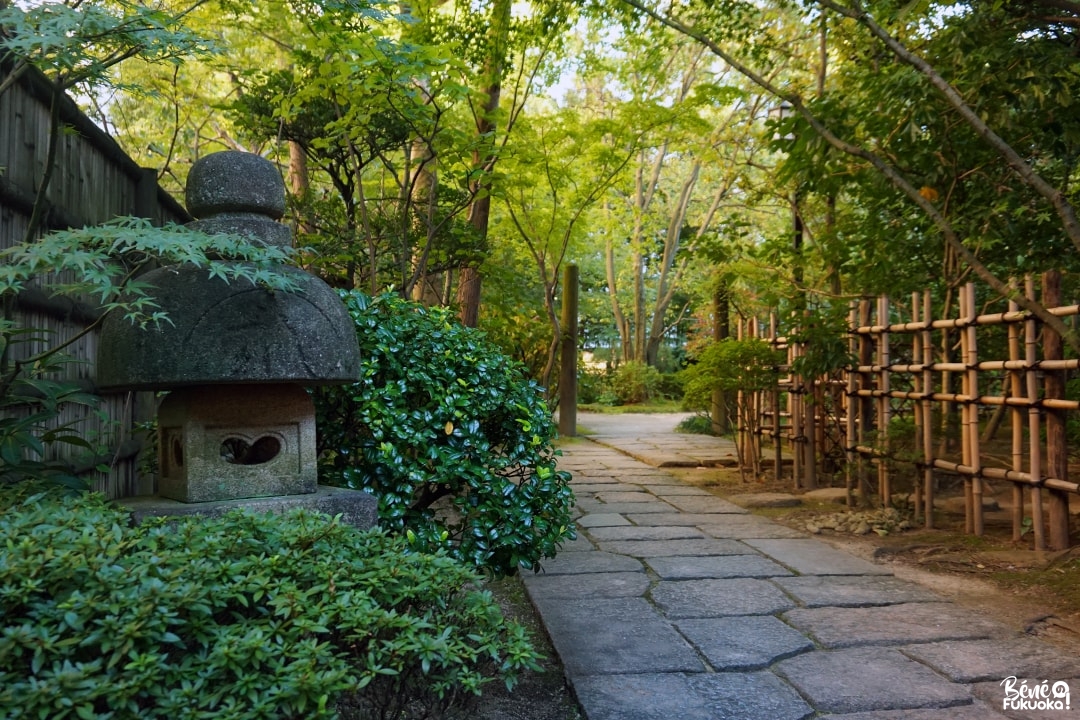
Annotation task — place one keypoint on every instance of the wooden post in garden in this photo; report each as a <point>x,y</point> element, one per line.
<point>718,412</point>
<point>568,368</point>
<point>1057,454</point>
<point>928,415</point>
<point>1034,421</point>
<point>1016,389</point>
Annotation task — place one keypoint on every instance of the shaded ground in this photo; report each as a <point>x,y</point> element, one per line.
<point>1039,592</point>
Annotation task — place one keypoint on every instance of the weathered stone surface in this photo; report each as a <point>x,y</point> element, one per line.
<point>229,333</point>
<point>719,598</point>
<point>234,182</point>
<point>236,441</point>
<point>813,557</point>
<point>664,548</point>
<point>590,562</point>
<point>976,711</point>
<point>663,491</point>
<point>587,585</point>
<point>867,679</point>
<point>766,500</point>
<point>615,635</point>
<point>833,495</point>
<point>985,660</point>
<point>579,544</point>
<point>750,696</point>
<point>357,508</point>
<point>696,504</point>
<point>744,643</point>
<point>854,591</point>
<point>590,505</point>
<point>634,532</point>
<point>890,624</point>
<point>677,696</point>
<point>715,566</point>
<point>624,496</point>
<point>591,488</point>
<point>745,527</point>
<point>598,520</point>
<point>674,518</point>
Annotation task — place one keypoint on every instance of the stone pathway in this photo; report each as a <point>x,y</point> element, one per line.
<point>674,604</point>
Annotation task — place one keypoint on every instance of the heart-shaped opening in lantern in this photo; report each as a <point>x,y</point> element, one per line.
<point>239,451</point>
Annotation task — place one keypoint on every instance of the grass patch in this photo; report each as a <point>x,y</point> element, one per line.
<point>649,406</point>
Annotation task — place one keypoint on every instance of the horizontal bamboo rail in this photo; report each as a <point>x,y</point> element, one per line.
<point>889,378</point>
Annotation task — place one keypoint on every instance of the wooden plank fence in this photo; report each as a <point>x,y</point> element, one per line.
<point>900,406</point>
<point>93,181</point>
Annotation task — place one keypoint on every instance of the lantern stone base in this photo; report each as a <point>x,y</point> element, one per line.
<point>357,508</point>
<point>228,442</point>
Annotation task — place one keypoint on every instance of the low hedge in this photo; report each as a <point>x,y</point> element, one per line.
<point>243,617</point>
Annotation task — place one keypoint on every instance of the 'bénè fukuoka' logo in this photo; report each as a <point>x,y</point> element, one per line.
<point>1040,696</point>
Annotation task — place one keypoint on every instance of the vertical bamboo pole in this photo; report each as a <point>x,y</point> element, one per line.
<point>918,385</point>
<point>884,403</point>
<point>1034,448</point>
<point>796,405</point>
<point>972,406</point>
<point>928,425</point>
<point>866,404</point>
<point>778,459</point>
<point>568,371</point>
<point>1017,422</point>
<point>965,430</point>
<point>850,455</point>
<point>1057,455</point>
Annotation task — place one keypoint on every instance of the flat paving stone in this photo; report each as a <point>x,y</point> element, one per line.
<point>595,520</point>
<point>744,643</point>
<point>867,679</point>
<point>891,624</point>
<point>681,599</point>
<point>749,696</point>
<point>854,591</point>
<point>675,518</point>
<point>676,696</point>
<point>665,490</point>
<point>596,488</point>
<point>984,660</point>
<point>813,557</point>
<point>625,496</point>
<point>745,527</point>
<point>766,500</point>
<point>590,562</point>
<point>578,544</point>
<point>715,566</point>
<point>588,585</point>
<point>976,711</point>
<point>664,696</point>
<point>615,636</point>
<point>696,504</point>
<point>635,532</point>
<point>665,548</point>
<point>626,508</point>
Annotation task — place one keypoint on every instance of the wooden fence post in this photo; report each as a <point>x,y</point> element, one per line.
<point>1057,454</point>
<point>568,369</point>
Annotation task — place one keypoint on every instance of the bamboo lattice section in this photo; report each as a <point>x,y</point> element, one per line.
<point>919,397</point>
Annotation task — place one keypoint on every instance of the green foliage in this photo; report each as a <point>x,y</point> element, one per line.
<point>242,617</point>
<point>823,335</point>
<point>635,382</point>
<point>696,424</point>
<point>448,434</point>
<point>100,265</point>
<point>747,365</point>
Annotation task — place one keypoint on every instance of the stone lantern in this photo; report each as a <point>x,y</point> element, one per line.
<point>236,423</point>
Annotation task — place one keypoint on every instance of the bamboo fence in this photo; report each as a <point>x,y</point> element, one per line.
<point>897,379</point>
<point>93,181</point>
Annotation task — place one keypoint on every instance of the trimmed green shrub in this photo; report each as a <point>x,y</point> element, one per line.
<point>245,617</point>
<point>635,382</point>
<point>450,436</point>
